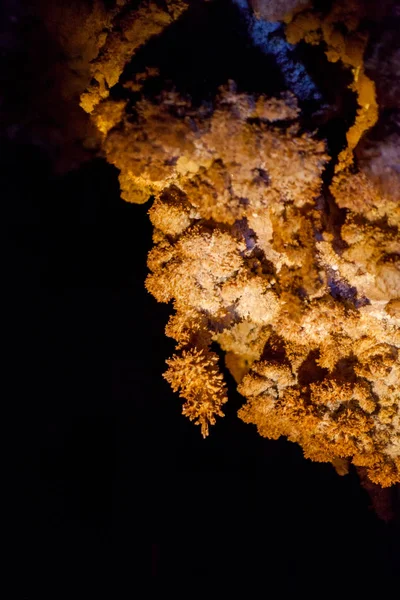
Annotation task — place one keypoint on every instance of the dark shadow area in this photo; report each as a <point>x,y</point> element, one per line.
<point>202,50</point>
<point>310,371</point>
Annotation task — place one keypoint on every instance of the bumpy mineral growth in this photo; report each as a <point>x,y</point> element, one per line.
<point>253,249</point>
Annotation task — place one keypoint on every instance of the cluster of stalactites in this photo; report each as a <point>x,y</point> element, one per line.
<point>305,307</point>
<point>244,252</point>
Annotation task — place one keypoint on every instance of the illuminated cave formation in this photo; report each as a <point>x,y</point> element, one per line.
<point>270,239</point>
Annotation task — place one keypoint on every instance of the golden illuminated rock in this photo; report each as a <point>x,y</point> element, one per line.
<point>256,253</point>
<point>133,29</point>
<point>348,48</point>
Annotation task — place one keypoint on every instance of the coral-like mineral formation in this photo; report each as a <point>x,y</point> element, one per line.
<point>290,266</point>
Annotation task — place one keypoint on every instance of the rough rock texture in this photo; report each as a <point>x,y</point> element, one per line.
<point>56,55</point>
<point>269,243</point>
<point>132,30</point>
